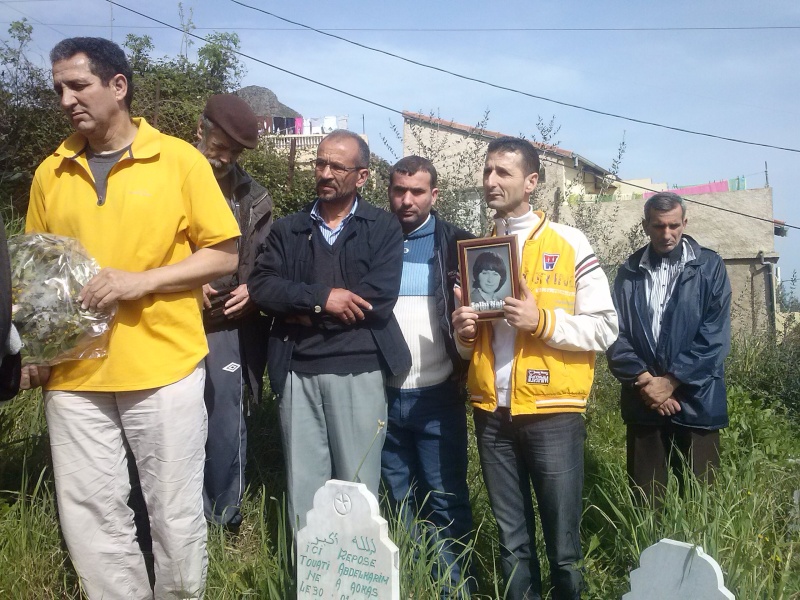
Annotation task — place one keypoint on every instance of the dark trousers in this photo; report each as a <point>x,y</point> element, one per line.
<point>546,450</point>
<point>223,480</point>
<point>655,449</point>
<point>424,467</point>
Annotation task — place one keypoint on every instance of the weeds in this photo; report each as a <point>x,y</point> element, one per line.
<point>768,366</point>
<point>746,520</point>
<point>743,520</point>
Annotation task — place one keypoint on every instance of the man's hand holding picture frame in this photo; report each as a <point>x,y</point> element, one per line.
<point>489,273</point>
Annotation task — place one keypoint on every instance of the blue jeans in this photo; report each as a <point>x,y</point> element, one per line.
<point>546,450</point>
<point>424,465</point>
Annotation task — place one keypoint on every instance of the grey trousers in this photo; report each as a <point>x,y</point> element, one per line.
<point>329,425</point>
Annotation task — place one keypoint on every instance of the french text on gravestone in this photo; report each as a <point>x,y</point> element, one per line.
<point>344,551</point>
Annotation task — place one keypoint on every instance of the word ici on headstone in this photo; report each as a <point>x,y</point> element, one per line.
<point>344,551</point>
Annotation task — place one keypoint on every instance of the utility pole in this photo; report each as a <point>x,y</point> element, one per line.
<point>157,104</point>
<point>292,162</point>
<point>766,174</point>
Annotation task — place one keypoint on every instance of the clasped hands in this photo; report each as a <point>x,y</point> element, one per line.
<point>343,304</point>
<point>657,393</point>
<point>237,306</point>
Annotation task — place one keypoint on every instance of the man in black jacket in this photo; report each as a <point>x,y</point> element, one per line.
<point>10,345</point>
<point>330,274</point>
<point>425,453</point>
<point>673,300</point>
<point>234,328</point>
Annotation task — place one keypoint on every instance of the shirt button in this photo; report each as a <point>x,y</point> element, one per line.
<point>317,309</point>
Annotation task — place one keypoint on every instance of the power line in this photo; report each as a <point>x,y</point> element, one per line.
<point>516,91</point>
<point>433,29</point>
<point>394,110</point>
<point>559,29</point>
<point>727,210</point>
<point>741,214</point>
<point>34,19</point>
<point>263,62</point>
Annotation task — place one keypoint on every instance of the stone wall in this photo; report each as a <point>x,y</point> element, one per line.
<point>745,244</point>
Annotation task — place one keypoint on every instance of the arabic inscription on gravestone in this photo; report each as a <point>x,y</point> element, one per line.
<point>344,551</point>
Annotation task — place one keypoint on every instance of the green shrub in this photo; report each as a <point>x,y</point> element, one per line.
<point>768,366</point>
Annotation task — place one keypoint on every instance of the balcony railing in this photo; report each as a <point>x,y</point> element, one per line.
<point>604,197</point>
<point>302,142</point>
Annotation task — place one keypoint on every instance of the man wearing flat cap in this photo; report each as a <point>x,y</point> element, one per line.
<point>236,331</point>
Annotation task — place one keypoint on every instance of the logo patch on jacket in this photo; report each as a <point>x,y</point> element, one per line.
<point>231,367</point>
<point>538,376</point>
<point>549,261</point>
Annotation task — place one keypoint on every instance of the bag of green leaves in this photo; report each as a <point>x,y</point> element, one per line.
<point>47,274</point>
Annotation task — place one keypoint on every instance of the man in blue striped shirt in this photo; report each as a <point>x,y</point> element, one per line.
<point>673,300</point>
<point>424,459</point>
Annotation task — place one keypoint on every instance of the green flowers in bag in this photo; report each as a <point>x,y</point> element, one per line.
<point>47,274</point>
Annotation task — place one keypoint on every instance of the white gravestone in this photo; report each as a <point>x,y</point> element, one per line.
<point>344,551</point>
<point>671,570</point>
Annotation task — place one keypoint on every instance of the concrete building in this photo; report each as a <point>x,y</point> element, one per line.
<point>576,191</point>
<point>302,146</point>
<point>717,221</point>
<point>456,149</point>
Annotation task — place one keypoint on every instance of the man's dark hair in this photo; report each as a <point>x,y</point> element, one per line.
<point>529,154</point>
<point>363,147</point>
<point>106,59</point>
<point>411,165</point>
<point>663,202</point>
<point>489,261</point>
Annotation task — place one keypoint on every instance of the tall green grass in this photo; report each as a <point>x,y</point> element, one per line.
<point>747,520</point>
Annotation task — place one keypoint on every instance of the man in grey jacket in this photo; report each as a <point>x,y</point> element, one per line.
<point>236,331</point>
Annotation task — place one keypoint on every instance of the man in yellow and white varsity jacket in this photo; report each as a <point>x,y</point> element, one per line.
<point>529,377</point>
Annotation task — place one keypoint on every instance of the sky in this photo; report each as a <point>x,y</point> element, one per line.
<point>737,83</point>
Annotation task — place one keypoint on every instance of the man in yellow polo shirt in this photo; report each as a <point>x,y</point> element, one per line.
<point>146,206</point>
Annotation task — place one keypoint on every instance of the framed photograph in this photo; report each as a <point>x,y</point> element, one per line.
<point>489,273</point>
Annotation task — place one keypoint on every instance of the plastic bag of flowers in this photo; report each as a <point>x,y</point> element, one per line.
<point>47,273</point>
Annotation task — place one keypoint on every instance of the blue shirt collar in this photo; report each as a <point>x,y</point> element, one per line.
<point>319,220</point>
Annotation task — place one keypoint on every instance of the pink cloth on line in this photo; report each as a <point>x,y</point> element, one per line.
<point>706,188</point>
